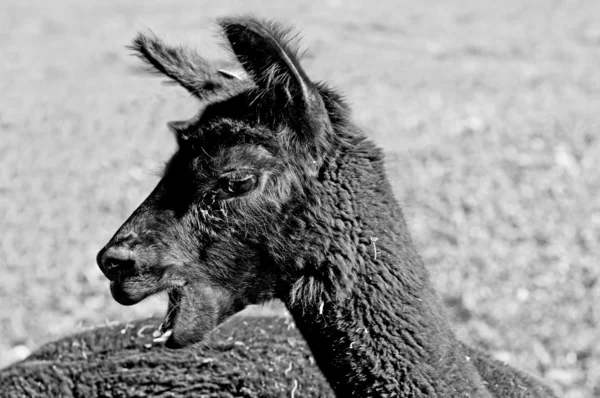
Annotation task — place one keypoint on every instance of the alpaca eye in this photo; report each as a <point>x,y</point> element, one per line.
<point>238,185</point>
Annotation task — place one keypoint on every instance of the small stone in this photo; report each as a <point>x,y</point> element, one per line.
<point>20,352</point>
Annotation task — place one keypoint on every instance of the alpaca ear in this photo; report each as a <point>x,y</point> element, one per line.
<point>284,89</point>
<point>188,69</point>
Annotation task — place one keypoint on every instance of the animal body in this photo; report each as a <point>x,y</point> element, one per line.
<point>248,357</point>
<point>274,193</point>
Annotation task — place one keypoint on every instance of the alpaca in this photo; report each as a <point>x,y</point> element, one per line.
<point>274,193</point>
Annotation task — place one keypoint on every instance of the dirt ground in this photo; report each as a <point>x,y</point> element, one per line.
<point>488,111</point>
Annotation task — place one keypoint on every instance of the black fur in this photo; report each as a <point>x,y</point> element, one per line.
<point>320,230</point>
<point>249,357</point>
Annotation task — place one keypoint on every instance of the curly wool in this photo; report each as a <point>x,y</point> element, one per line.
<point>247,357</point>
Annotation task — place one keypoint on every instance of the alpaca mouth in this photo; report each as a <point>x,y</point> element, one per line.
<point>191,315</point>
<point>192,311</point>
<point>164,333</point>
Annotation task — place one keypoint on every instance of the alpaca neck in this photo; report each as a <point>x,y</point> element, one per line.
<point>378,341</point>
<point>383,332</point>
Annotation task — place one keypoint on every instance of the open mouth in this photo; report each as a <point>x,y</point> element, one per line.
<point>173,331</point>
<point>164,333</point>
<point>194,308</point>
<point>192,313</point>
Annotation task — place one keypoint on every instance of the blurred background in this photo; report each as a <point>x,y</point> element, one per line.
<point>489,113</point>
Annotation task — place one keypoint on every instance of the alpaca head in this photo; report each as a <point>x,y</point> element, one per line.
<point>224,227</point>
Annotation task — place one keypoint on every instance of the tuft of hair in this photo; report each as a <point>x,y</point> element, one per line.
<point>308,292</point>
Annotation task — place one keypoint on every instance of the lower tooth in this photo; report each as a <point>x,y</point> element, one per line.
<point>158,331</point>
<point>164,337</point>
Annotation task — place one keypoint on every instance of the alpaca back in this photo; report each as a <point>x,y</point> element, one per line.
<point>250,357</point>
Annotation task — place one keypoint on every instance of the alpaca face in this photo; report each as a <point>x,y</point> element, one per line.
<point>219,227</point>
<point>203,232</point>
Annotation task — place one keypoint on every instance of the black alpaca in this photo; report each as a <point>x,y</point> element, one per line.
<point>274,193</point>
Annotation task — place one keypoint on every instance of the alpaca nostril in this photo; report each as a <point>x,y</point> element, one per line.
<point>115,261</point>
<point>114,264</point>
